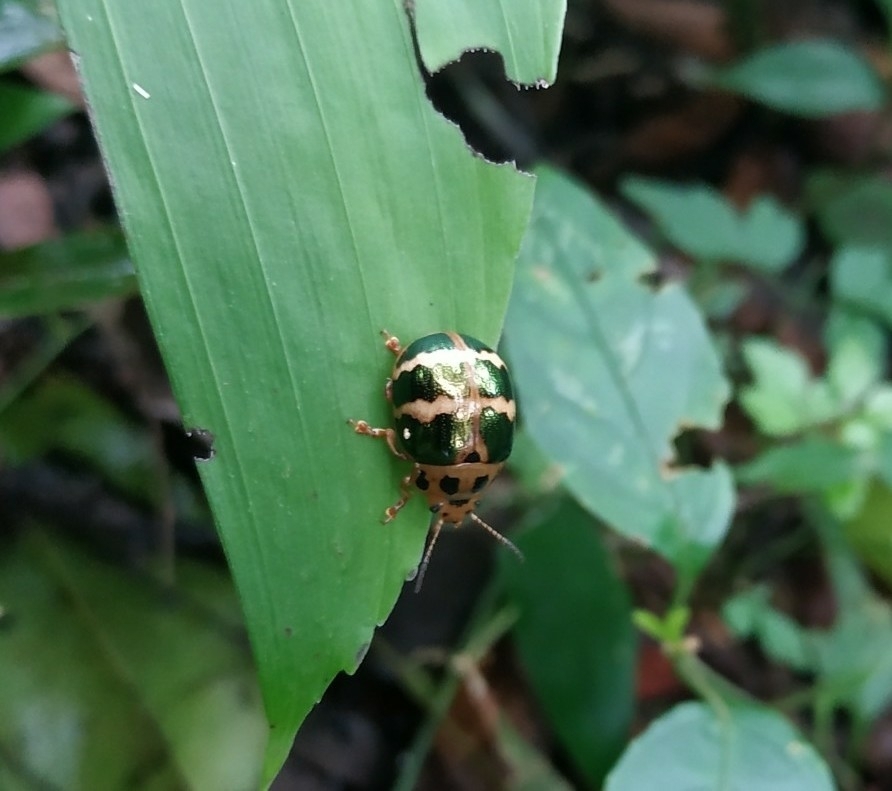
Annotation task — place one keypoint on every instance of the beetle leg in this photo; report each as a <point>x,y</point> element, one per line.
<point>405,493</point>
<point>392,342</point>
<point>387,434</point>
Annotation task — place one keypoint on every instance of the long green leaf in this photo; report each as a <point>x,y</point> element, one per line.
<point>569,595</point>
<point>288,191</point>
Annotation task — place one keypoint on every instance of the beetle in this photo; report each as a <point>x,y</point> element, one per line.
<point>454,413</point>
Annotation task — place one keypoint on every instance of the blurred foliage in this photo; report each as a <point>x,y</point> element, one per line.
<point>809,78</point>
<point>27,112</point>
<point>150,676</point>
<point>585,688</point>
<point>27,28</point>
<point>66,273</point>
<point>698,220</point>
<point>737,749</point>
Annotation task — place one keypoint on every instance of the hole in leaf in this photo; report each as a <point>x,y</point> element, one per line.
<point>492,112</point>
<point>476,96</point>
<point>690,451</point>
<point>201,444</point>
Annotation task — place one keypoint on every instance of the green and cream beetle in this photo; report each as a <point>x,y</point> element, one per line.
<point>454,411</point>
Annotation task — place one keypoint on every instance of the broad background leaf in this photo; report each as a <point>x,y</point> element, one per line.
<point>748,748</point>
<point>808,78</point>
<point>288,191</point>
<point>608,370</point>
<point>569,595</point>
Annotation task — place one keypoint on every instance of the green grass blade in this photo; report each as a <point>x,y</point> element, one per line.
<point>26,111</point>
<point>65,273</point>
<point>288,191</point>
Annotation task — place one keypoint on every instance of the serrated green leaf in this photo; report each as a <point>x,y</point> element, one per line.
<point>279,217</point>
<point>861,277</point>
<point>784,397</point>
<point>65,273</point>
<point>852,659</point>
<point>749,614</point>
<point>857,349</point>
<point>27,28</point>
<point>608,370</point>
<point>177,695</point>
<point>809,78</point>
<point>852,209</point>
<point>700,221</point>
<point>692,747</point>
<point>528,38</point>
<point>569,595</point>
<point>26,111</point>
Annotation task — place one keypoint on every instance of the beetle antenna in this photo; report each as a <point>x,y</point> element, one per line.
<point>496,535</point>
<point>427,553</point>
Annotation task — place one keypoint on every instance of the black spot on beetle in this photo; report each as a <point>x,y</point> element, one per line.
<point>479,483</point>
<point>459,503</point>
<point>472,458</point>
<point>422,482</point>
<point>449,485</point>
